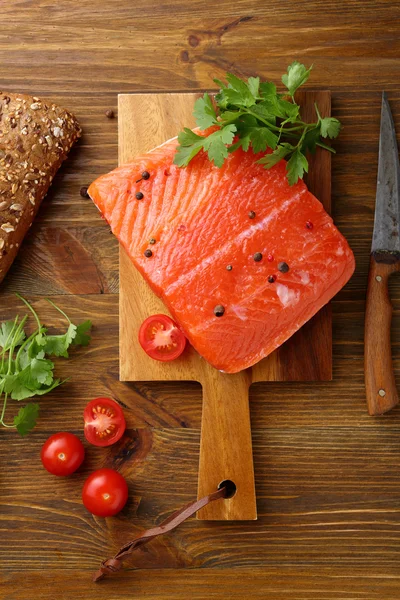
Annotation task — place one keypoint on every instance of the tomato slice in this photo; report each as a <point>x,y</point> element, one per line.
<point>104,422</point>
<point>161,338</point>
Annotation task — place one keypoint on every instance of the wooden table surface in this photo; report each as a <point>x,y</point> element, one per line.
<point>327,474</point>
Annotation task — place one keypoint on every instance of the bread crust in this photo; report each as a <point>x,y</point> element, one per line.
<point>35,138</point>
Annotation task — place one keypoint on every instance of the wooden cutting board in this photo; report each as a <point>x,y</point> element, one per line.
<point>145,121</point>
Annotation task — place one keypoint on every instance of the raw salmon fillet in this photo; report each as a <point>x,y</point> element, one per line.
<point>208,243</point>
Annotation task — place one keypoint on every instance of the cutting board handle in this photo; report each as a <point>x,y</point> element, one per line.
<point>225,446</point>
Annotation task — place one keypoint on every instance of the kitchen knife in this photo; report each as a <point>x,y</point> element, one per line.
<point>385,259</point>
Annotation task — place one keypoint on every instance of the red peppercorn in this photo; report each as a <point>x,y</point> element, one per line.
<point>270,257</point>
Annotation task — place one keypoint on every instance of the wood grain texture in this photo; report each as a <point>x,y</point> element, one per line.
<point>328,518</point>
<point>380,383</point>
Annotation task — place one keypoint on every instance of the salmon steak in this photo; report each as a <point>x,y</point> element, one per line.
<point>240,258</point>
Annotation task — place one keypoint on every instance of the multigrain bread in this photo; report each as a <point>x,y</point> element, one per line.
<point>35,138</point>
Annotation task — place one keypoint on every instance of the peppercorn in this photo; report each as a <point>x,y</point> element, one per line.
<point>229,267</point>
<point>148,253</point>
<point>84,192</point>
<point>257,256</point>
<point>283,267</point>
<point>152,241</point>
<point>109,114</point>
<point>252,214</point>
<point>271,279</point>
<point>309,225</point>
<point>139,196</point>
<point>219,310</point>
<point>145,175</point>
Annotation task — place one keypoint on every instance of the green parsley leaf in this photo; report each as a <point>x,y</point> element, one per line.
<point>6,335</point>
<point>268,90</point>
<point>215,144</point>
<point>253,83</point>
<point>38,372</point>
<point>259,117</point>
<point>82,338</point>
<point>190,145</point>
<point>297,74</point>
<point>57,345</point>
<point>187,137</point>
<point>21,392</point>
<point>26,418</point>
<point>330,127</point>
<point>185,154</point>
<point>296,166</point>
<point>26,372</point>
<point>204,112</point>
<point>310,140</point>
<point>262,138</point>
<point>238,91</point>
<point>269,160</point>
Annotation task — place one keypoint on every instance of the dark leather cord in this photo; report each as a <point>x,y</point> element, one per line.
<point>114,564</point>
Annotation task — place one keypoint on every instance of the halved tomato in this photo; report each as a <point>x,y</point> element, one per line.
<point>161,338</point>
<point>104,422</point>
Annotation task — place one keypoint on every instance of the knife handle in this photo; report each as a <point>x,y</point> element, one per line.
<point>380,383</point>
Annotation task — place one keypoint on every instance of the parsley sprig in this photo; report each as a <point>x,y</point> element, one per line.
<point>25,369</point>
<point>253,114</point>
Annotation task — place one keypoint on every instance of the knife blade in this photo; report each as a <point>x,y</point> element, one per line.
<point>380,383</point>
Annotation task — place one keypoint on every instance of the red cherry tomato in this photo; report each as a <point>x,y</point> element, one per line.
<point>105,493</point>
<point>104,422</point>
<point>161,339</point>
<point>62,454</point>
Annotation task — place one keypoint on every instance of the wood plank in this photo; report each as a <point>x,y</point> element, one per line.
<point>336,537</point>
<point>273,582</point>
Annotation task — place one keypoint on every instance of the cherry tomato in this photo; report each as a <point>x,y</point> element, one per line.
<point>104,422</point>
<point>161,339</point>
<point>105,493</point>
<point>62,454</point>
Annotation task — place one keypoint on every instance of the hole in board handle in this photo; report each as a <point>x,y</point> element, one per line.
<point>230,488</point>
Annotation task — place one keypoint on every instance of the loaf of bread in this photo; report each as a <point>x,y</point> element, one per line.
<point>35,138</point>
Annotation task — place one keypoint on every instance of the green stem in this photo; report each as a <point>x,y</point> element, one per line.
<point>31,309</point>
<point>326,147</point>
<point>13,343</point>
<point>4,409</point>
<point>59,310</point>
<point>10,336</point>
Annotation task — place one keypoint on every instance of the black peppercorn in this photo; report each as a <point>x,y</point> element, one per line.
<point>219,310</point>
<point>283,267</point>
<point>148,253</point>
<point>252,214</point>
<point>145,175</point>
<point>257,256</point>
<point>271,279</point>
<point>229,267</point>
<point>109,114</point>
<point>139,196</point>
<point>84,192</point>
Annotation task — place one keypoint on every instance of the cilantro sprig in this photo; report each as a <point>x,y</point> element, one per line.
<point>252,114</point>
<point>25,367</point>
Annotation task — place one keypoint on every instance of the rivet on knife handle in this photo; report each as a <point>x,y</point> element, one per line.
<point>380,383</point>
